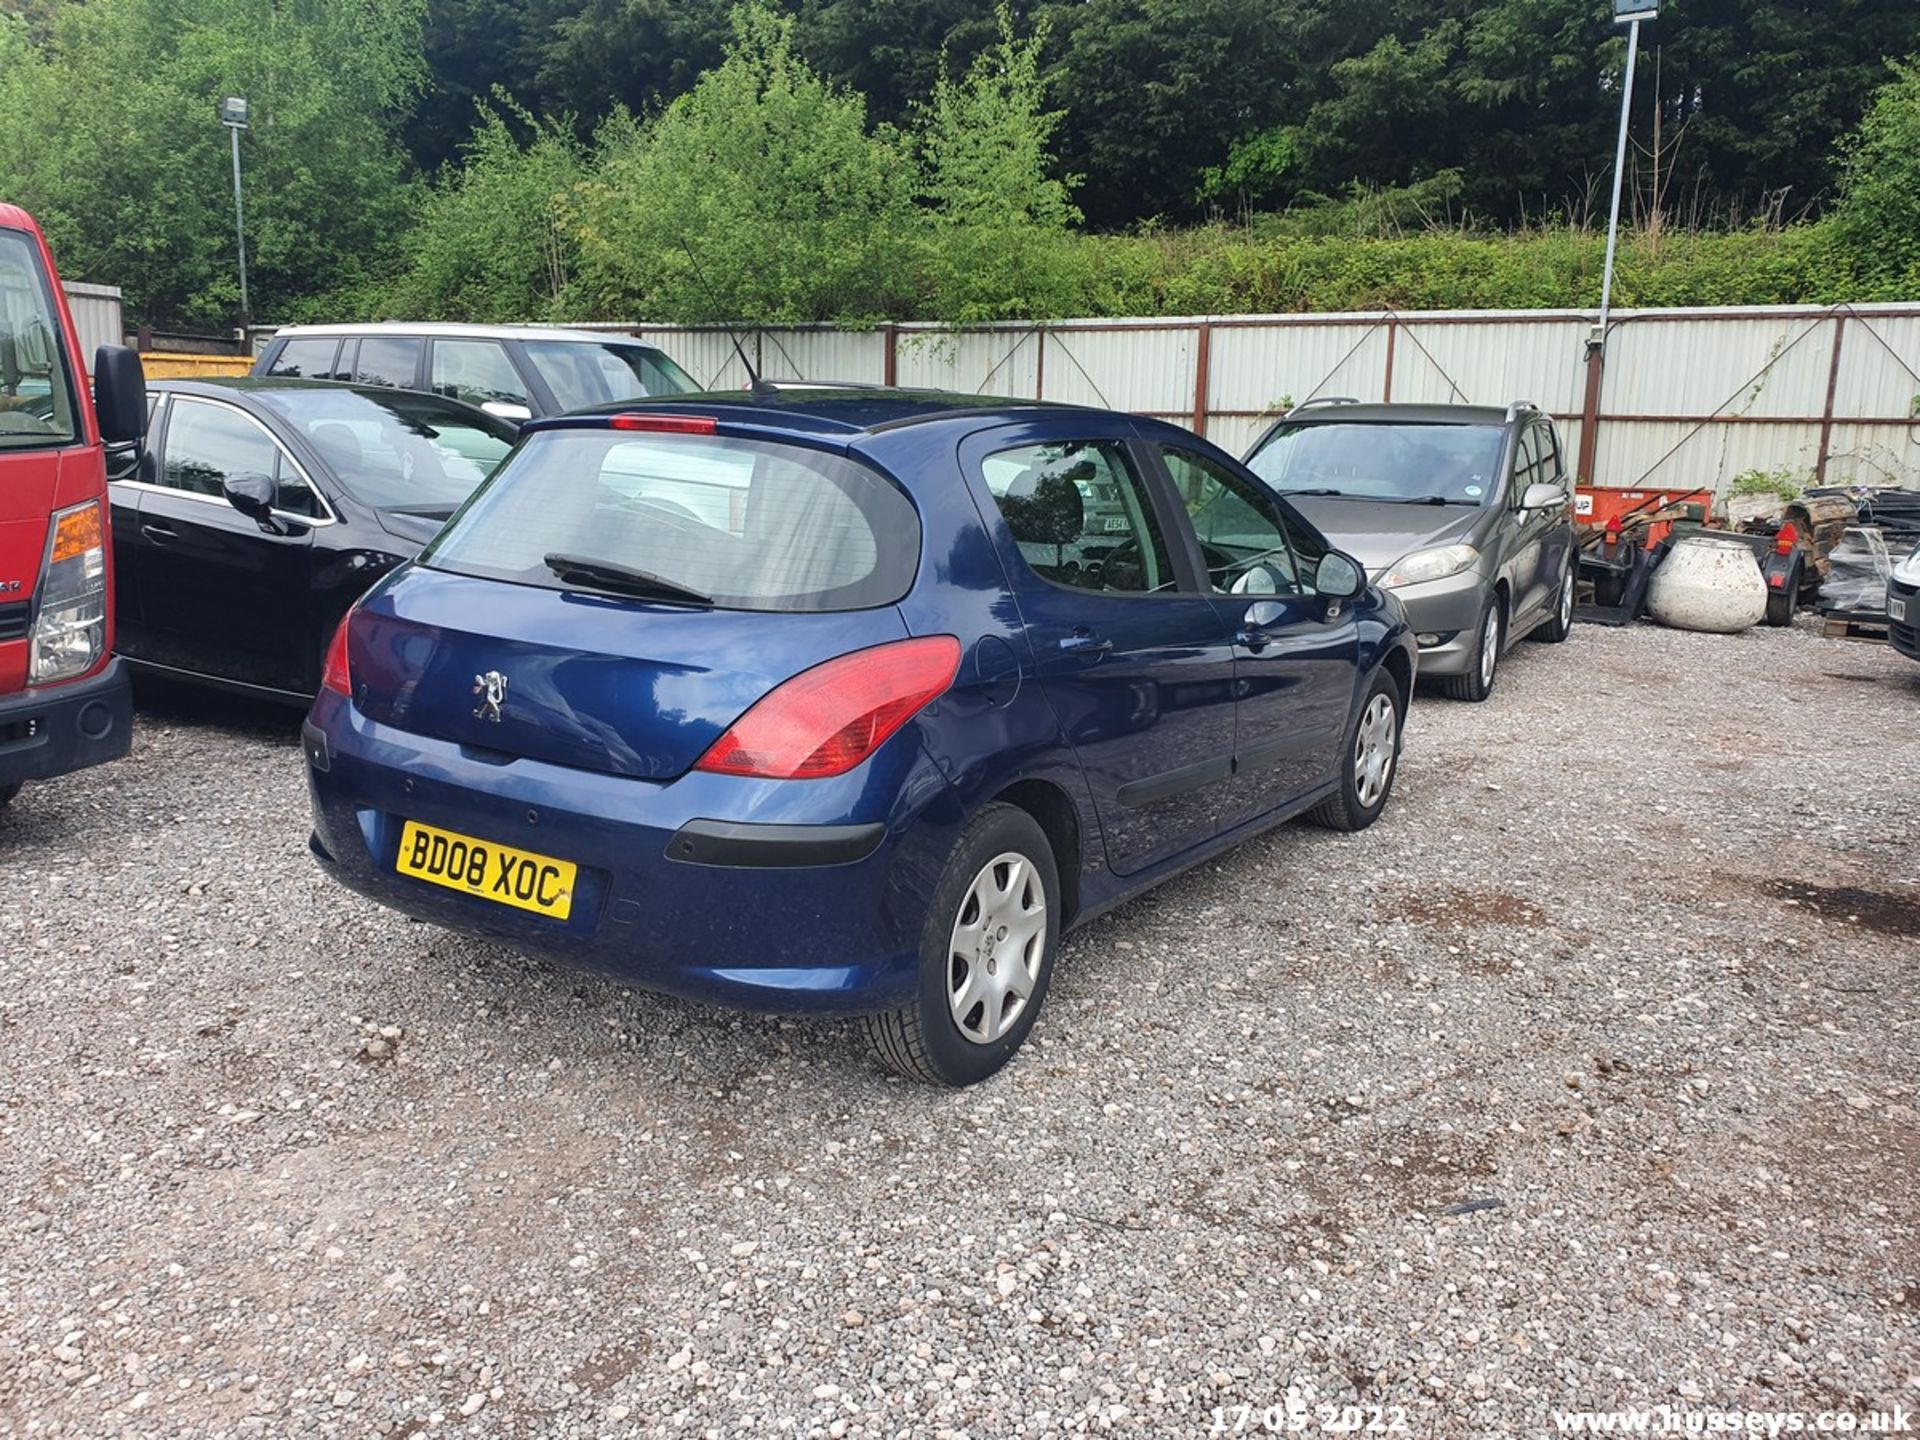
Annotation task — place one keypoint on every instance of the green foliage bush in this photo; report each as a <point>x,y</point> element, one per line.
<point>794,210</point>
<point>1879,213</point>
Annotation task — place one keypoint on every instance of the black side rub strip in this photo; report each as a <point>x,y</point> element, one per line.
<point>1170,783</point>
<point>735,843</point>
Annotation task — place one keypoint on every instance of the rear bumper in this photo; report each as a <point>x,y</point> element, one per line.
<point>710,887</point>
<point>52,731</point>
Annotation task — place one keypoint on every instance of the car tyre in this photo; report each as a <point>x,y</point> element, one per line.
<point>1560,626</point>
<point>1484,663</point>
<point>992,930</point>
<point>1369,760</point>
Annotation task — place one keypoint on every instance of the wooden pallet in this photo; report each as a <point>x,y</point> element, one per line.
<point>1842,626</point>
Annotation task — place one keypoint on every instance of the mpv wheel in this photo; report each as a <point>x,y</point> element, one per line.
<point>1477,683</point>
<point>986,955</point>
<point>1561,625</point>
<point>1369,761</point>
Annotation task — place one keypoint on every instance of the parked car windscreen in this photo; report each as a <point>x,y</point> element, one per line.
<point>1397,461</point>
<point>582,373</point>
<point>703,519</point>
<point>395,450</point>
<point>36,393</point>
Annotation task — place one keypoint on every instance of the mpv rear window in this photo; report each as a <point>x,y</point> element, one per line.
<point>744,524</point>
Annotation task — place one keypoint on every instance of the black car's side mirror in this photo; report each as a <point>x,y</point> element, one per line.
<point>1340,577</point>
<point>252,495</point>
<point>120,395</point>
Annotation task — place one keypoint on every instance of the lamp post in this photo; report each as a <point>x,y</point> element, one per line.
<point>1629,13</point>
<point>233,115</point>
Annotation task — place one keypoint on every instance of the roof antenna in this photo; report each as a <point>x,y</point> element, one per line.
<point>758,388</point>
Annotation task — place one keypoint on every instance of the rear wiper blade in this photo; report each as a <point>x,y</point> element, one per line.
<point>625,578</point>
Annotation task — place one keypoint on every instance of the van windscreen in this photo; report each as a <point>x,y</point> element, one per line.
<point>37,407</point>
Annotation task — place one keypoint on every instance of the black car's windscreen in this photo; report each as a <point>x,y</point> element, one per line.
<point>36,393</point>
<point>1383,461</point>
<point>746,524</point>
<point>392,450</point>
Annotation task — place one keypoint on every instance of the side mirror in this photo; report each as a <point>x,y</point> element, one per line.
<point>120,395</point>
<point>1543,496</point>
<point>1340,577</point>
<point>508,410</point>
<point>252,495</point>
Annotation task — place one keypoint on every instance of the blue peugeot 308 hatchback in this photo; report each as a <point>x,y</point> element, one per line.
<point>846,700</point>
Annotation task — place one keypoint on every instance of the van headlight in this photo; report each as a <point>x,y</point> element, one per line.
<point>70,633</point>
<point>1424,565</point>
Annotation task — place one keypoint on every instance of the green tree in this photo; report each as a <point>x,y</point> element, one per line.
<point>770,176</point>
<point>496,238</point>
<point>1000,219</point>
<point>1878,218</point>
<point>110,133</point>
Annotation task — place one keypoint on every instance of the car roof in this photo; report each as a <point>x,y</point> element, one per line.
<point>246,386</point>
<point>272,385</point>
<point>448,330</point>
<point>1405,414</point>
<point>851,410</point>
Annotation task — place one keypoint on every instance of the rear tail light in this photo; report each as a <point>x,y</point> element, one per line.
<point>1786,539</point>
<point>829,719</point>
<point>334,672</point>
<point>70,634</point>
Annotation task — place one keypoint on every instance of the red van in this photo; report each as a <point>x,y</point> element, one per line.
<point>64,698</point>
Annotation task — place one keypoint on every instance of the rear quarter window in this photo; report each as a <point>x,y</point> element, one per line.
<point>749,524</point>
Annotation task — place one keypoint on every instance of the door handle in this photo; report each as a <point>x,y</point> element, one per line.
<point>1084,642</point>
<point>157,532</point>
<point>1252,633</point>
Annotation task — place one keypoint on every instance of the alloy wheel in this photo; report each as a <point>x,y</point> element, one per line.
<point>1375,749</point>
<point>1489,647</point>
<point>997,948</point>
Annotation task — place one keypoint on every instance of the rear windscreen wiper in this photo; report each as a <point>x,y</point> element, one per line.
<point>607,575</point>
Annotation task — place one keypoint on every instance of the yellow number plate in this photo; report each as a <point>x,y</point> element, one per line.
<point>493,872</point>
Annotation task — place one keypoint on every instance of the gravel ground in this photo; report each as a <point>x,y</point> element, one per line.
<point>1633,956</point>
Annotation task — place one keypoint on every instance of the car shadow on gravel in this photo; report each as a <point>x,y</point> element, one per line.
<point>173,704</point>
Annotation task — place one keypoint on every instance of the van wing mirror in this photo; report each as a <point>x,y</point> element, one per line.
<point>120,395</point>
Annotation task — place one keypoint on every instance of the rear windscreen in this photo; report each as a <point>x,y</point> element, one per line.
<point>740,524</point>
<point>36,393</point>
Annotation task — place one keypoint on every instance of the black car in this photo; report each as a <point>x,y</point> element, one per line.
<point>262,509</point>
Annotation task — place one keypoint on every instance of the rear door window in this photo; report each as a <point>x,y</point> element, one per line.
<point>388,360</point>
<point>740,524</point>
<point>305,359</point>
<point>1081,516</point>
